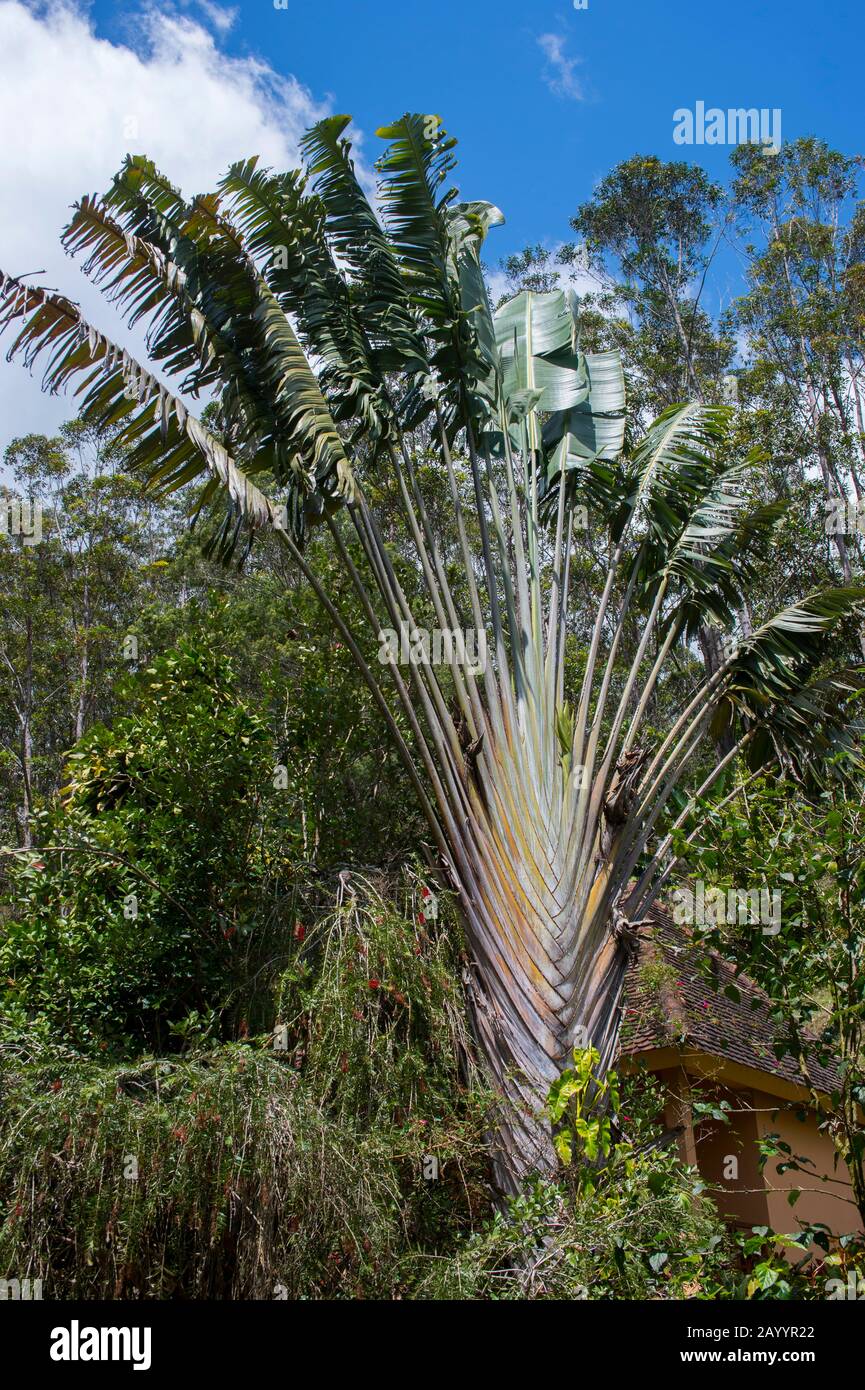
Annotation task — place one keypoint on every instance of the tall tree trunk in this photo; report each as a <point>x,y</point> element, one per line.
<point>25,719</point>
<point>831,482</point>
<point>83,666</point>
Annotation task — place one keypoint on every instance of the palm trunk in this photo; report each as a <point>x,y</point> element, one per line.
<point>547,967</point>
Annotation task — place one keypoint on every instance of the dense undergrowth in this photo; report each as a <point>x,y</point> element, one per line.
<point>261,1082</point>
<point>293,1164</point>
<point>215,1177</point>
<point>342,1155</point>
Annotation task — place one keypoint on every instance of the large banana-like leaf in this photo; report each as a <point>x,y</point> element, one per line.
<point>360,243</point>
<point>715,586</point>
<point>165,442</point>
<point>468,225</point>
<point>536,337</point>
<point>583,395</point>
<point>594,428</point>
<point>790,633</point>
<point>438,246</point>
<point>771,666</point>
<point>186,335</point>
<point>215,314</point>
<point>413,169</point>
<point>285,232</point>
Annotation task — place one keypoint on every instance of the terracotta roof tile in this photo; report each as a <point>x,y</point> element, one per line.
<point>674,994</point>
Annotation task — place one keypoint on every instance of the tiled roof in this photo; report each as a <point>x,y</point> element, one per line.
<point>674,995</point>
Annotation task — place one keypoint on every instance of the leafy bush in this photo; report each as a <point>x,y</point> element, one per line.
<point>332,1158</point>
<point>646,1233</point>
<point>808,848</point>
<point>627,1219</point>
<point>132,914</point>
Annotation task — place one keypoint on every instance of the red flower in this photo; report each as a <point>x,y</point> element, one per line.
<point>374,983</point>
<point>56,1085</point>
<point>38,864</point>
<point>229,933</point>
<point>299,931</point>
<point>421,918</point>
<point>425,893</point>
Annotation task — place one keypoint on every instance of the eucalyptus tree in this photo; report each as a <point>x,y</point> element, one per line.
<point>353,349</point>
<point>657,225</point>
<point>65,592</point>
<point>802,314</point>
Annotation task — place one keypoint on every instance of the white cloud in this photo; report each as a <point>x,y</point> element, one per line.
<point>559,69</point>
<point>219,16</point>
<point>568,277</point>
<point>497,285</point>
<point>72,105</point>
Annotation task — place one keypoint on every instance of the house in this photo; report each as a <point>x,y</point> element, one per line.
<point>707,1035</point>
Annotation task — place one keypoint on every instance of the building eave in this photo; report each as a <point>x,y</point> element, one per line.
<point>707,1066</point>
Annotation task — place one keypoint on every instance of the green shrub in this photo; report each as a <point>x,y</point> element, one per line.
<point>624,1219</point>
<point>646,1234</point>
<point>143,916</point>
<point>330,1158</point>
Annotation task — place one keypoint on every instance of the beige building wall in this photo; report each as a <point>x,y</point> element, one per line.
<point>753,1196</point>
<point>728,1159</point>
<point>832,1184</point>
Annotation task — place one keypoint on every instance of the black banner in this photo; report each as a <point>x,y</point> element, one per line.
<point>242,1339</point>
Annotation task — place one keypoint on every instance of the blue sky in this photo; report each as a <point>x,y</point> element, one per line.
<point>543,98</point>
<point>536,136</point>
